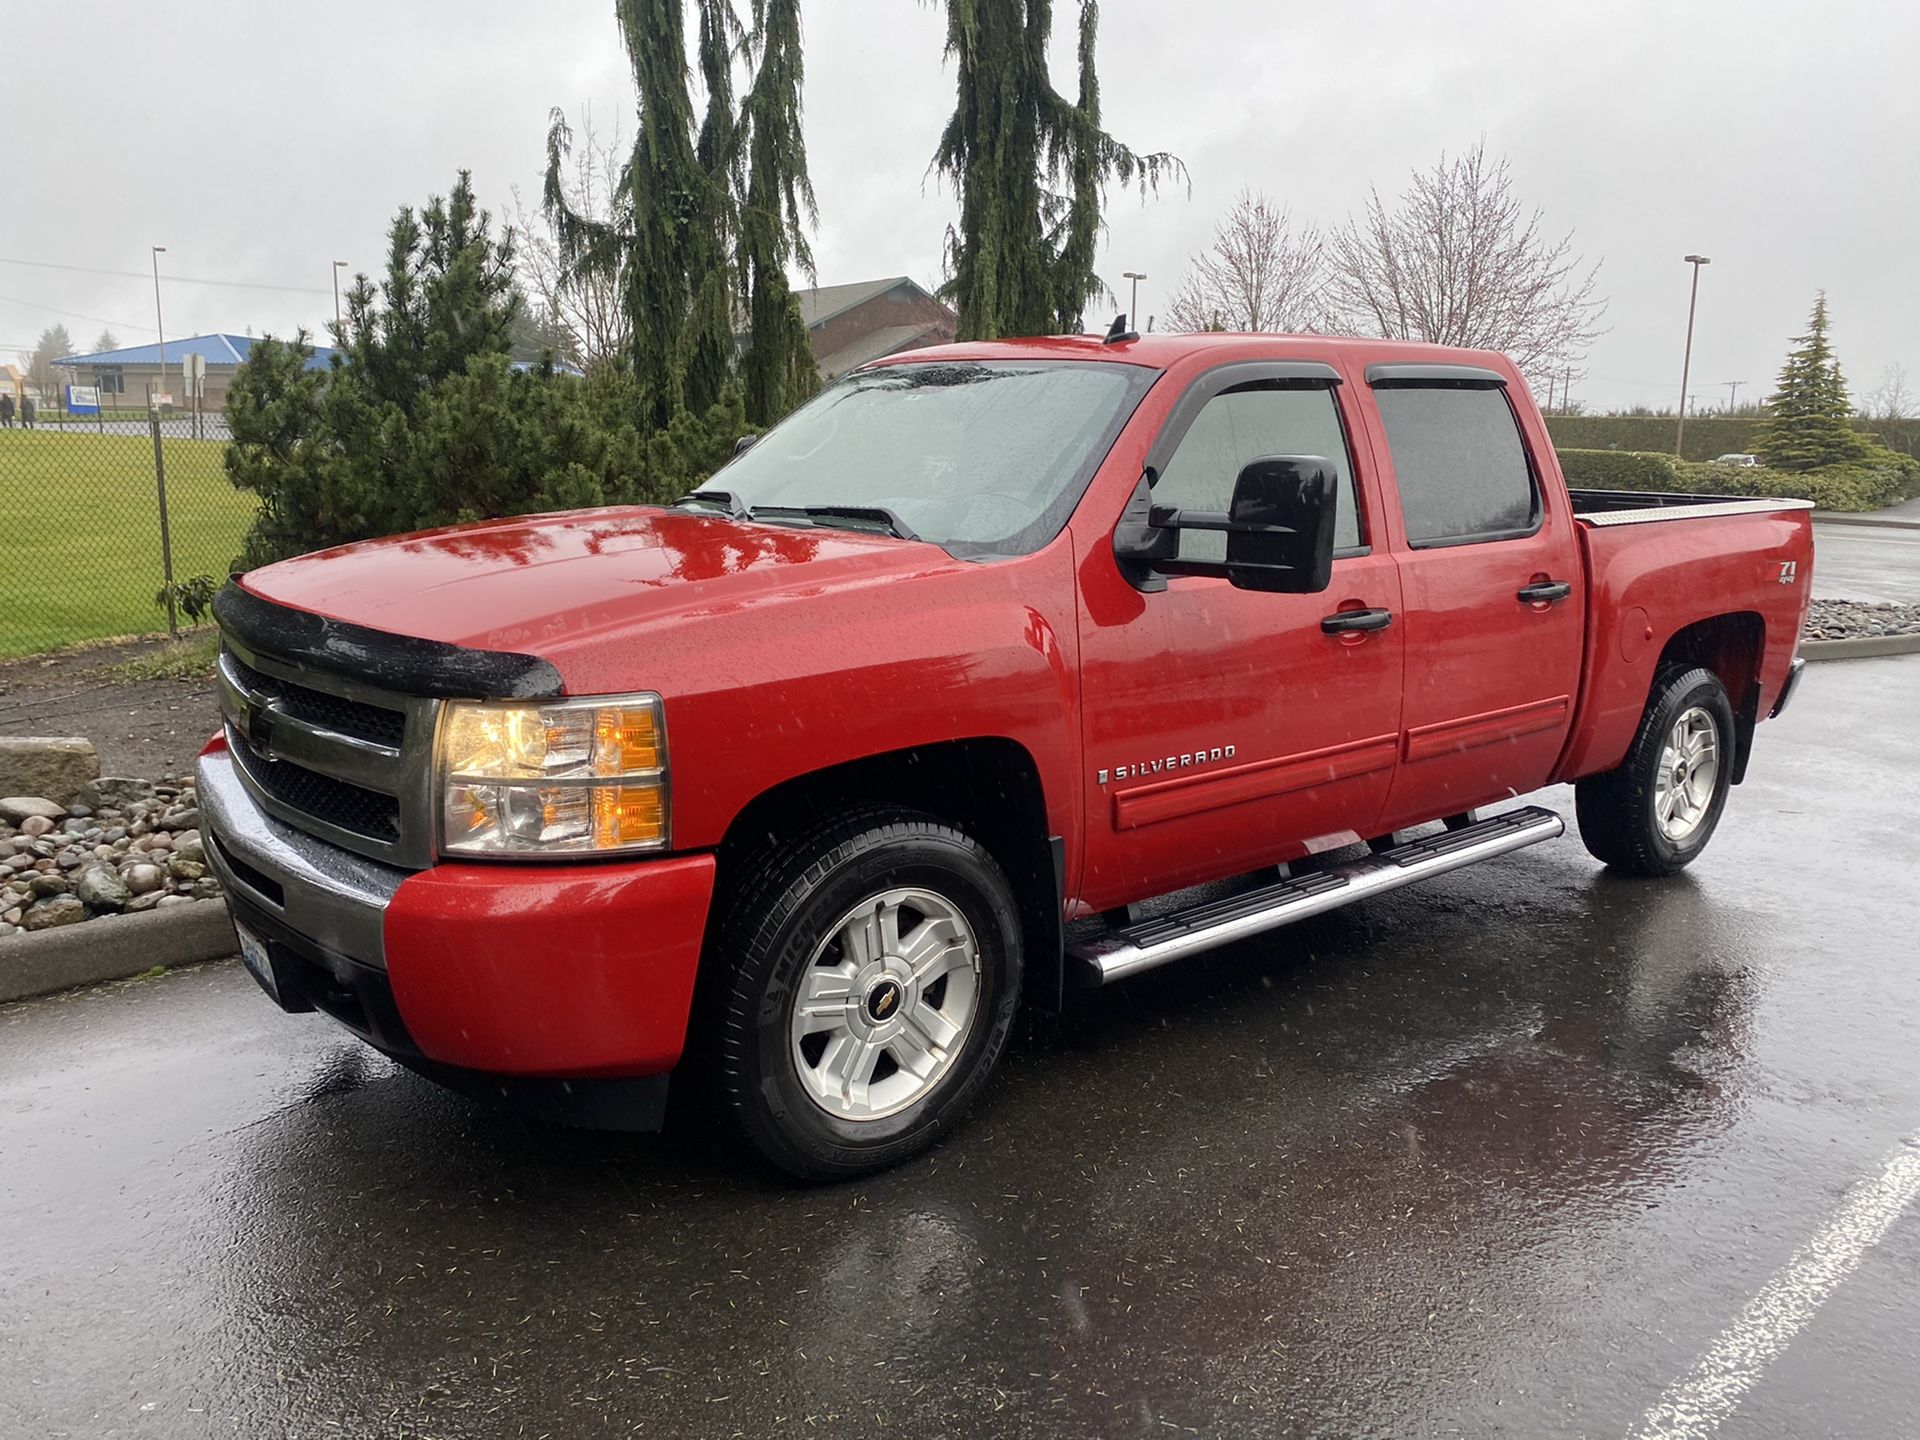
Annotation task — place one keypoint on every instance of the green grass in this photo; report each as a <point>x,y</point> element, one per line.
<point>80,533</point>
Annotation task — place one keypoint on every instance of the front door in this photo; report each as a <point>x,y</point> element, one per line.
<point>1494,599</point>
<point>1225,729</point>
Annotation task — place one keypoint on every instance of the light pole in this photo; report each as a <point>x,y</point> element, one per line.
<point>1133,305</point>
<point>339,330</point>
<point>1686,364</point>
<point>159,325</point>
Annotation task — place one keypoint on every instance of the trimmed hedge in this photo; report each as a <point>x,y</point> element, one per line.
<point>1870,486</point>
<point>1707,435</point>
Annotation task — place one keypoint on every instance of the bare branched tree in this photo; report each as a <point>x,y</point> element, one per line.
<point>1458,259</point>
<point>1258,275</point>
<point>1891,399</point>
<point>578,307</point>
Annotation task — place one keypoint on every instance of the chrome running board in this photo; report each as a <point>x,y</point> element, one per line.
<point>1115,954</point>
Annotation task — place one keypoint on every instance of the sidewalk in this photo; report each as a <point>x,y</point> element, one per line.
<point>1904,516</point>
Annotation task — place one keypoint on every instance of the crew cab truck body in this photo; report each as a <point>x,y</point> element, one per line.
<point>800,786</point>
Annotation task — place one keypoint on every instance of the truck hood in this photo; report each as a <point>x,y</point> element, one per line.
<point>540,583</point>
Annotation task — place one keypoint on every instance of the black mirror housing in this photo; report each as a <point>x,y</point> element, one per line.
<point>1280,530</point>
<point>744,444</point>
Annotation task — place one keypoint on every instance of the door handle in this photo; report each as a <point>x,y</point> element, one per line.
<point>1346,622</point>
<point>1545,592</point>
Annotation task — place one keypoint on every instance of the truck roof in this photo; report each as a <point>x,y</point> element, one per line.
<point>1163,351</point>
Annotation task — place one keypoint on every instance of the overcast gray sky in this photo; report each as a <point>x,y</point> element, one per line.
<point>258,143</point>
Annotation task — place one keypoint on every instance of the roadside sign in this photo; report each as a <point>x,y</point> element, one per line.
<point>83,399</point>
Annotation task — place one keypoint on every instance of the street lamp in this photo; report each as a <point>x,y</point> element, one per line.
<point>1686,364</point>
<point>339,330</point>
<point>1133,305</point>
<point>158,324</point>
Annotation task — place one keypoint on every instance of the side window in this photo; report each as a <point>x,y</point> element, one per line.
<point>1462,469</point>
<point>1244,424</point>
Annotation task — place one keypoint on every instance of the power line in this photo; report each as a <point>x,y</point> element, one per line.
<point>134,325</point>
<point>170,279</point>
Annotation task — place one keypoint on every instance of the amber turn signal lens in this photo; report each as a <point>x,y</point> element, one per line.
<point>626,741</point>
<point>628,815</point>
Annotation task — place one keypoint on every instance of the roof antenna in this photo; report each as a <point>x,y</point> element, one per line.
<point>1120,334</point>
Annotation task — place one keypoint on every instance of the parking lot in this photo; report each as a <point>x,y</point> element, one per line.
<point>1513,1154</point>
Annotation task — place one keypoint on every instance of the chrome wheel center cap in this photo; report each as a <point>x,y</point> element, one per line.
<point>884,1001</point>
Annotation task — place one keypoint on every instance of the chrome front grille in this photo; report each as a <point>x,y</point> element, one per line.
<point>345,761</point>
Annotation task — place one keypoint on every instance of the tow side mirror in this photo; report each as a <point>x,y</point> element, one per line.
<point>1280,530</point>
<point>743,444</point>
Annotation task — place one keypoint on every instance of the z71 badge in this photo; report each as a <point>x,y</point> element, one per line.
<point>1185,761</point>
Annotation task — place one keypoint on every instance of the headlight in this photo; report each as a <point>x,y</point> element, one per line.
<point>572,777</point>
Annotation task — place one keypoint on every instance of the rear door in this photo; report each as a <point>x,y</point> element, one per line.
<point>1225,728</point>
<point>1491,590</point>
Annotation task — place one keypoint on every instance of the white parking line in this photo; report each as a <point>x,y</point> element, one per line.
<point>1694,1405</point>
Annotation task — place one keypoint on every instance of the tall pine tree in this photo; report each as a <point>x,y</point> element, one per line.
<point>777,209</point>
<point>1808,424</point>
<point>705,220</point>
<point>668,206</point>
<point>1031,168</point>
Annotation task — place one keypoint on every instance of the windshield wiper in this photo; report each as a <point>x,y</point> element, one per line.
<point>724,499</point>
<point>871,514</point>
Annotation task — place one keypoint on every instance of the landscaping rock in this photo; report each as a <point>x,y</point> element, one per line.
<point>60,768</point>
<point>1858,619</point>
<point>115,792</point>
<point>143,878</point>
<point>181,868</point>
<point>16,809</point>
<point>34,826</point>
<point>59,910</point>
<point>49,882</point>
<point>144,902</point>
<point>98,888</point>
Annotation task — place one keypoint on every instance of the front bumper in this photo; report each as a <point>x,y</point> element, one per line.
<point>555,972</point>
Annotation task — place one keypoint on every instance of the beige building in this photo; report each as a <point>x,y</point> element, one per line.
<point>852,324</point>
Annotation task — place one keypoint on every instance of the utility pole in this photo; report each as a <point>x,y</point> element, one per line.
<point>1733,390</point>
<point>1133,305</point>
<point>1566,391</point>
<point>159,325</point>
<point>339,330</point>
<point>1550,380</point>
<point>1686,363</point>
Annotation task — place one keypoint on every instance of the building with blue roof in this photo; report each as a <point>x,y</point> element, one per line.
<point>129,378</point>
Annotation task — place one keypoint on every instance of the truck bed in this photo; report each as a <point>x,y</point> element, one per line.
<point>1642,507</point>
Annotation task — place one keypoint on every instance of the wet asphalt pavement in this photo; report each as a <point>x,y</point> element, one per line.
<point>1867,562</point>
<point>1499,1156</point>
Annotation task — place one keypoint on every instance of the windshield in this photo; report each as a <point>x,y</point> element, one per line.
<point>981,457</point>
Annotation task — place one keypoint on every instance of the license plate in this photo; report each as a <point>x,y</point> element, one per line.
<point>255,956</point>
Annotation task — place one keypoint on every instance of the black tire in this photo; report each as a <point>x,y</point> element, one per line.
<point>785,905</point>
<point>1616,810</point>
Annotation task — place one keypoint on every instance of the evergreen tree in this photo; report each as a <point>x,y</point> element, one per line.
<point>1031,168</point>
<point>1808,426</point>
<point>424,420</point>
<point>704,221</point>
<point>664,242</point>
<point>107,341</point>
<point>54,344</point>
<point>778,368</point>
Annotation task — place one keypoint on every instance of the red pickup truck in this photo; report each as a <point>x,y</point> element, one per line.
<point>796,789</point>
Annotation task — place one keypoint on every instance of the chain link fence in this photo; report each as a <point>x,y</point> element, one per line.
<point>112,525</point>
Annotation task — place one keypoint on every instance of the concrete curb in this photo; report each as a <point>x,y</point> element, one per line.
<point>1842,517</point>
<point>1862,647</point>
<point>113,948</point>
